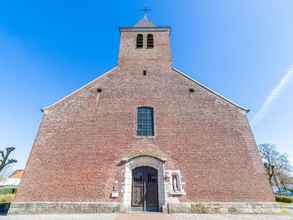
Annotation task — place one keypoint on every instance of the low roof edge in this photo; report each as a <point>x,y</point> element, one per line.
<point>146,29</point>
<point>121,28</point>
<point>212,91</point>
<point>77,90</point>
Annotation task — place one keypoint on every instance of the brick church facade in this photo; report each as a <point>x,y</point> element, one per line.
<point>142,136</point>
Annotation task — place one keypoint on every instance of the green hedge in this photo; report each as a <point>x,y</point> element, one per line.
<point>284,199</point>
<point>6,191</point>
<point>7,198</point>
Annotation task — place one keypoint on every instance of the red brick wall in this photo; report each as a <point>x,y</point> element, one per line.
<point>83,138</point>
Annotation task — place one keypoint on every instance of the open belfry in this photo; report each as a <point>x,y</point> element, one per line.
<point>143,136</point>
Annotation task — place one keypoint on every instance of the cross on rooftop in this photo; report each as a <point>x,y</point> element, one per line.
<point>146,10</point>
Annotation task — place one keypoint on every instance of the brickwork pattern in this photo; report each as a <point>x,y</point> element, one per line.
<point>82,139</point>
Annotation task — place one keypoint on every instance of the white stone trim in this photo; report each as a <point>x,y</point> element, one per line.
<point>169,183</point>
<point>127,185</point>
<point>181,183</point>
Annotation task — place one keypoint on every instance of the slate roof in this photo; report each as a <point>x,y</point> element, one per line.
<point>144,22</point>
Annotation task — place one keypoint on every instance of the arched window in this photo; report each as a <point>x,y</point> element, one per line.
<point>139,41</point>
<point>145,121</point>
<point>150,41</point>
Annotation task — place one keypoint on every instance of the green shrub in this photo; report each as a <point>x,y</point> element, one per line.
<point>6,191</point>
<point>7,198</point>
<point>284,199</point>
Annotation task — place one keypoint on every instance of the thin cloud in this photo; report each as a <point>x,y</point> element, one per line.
<point>271,98</point>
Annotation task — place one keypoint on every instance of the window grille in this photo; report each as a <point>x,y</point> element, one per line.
<point>145,121</point>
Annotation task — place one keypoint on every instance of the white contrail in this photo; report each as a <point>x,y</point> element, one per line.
<point>274,94</point>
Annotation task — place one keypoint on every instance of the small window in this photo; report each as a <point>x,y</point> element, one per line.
<point>145,121</point>
<point>139,41</point>
<point>150,41</point>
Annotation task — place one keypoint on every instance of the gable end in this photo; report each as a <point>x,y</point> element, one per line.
<point>76,91</point>
<point>210,90</point>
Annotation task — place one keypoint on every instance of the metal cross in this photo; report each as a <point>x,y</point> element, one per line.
<point>146,10</point>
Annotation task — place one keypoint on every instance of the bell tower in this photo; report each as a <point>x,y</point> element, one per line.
<point>145,44</point>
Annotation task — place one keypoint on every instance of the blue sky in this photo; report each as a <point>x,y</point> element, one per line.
<point>242,49</point>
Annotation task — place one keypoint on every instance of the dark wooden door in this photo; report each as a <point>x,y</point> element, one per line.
<point>145,189</point>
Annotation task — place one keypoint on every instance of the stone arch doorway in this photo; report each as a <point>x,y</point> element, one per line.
<point>144,195</point>
<point>130,165</point>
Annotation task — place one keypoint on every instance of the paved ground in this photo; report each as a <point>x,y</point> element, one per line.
<point>145,217</point>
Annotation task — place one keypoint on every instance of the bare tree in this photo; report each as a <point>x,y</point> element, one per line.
<point>4,158</point>
<point>285,179</point>
<point>276,164</point>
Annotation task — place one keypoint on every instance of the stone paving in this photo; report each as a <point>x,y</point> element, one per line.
<point>146,217</point>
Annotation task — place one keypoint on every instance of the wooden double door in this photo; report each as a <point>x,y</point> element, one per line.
<point>145,189</point>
